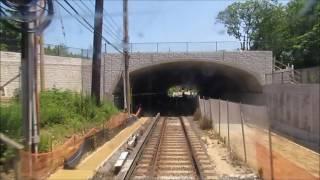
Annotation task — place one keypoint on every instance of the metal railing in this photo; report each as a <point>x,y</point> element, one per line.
<point>144,47</point>
<point>180,47</point>
<point>281,77</point>
<point>185,47</point>
<point>293,75</point>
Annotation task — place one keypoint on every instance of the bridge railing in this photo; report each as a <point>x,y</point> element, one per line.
<point>181,47</point>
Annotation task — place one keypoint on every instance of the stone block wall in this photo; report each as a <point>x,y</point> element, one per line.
<point>60,72</point>
<point>257,63</point>
<point>75,73</point>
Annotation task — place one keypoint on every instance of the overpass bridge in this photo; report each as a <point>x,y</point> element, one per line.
<point>214,74</point>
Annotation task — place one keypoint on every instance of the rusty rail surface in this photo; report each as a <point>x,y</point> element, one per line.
<point>173,151</point>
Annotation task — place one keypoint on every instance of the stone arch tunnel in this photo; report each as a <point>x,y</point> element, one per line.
<point>149,85</point>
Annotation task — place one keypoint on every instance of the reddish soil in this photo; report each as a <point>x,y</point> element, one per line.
<point>282,167</point>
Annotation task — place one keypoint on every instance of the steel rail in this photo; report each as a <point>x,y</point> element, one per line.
<point>164,147</point>
<point>141,147</point>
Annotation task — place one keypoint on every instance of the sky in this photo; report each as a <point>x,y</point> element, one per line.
<point>149,21</point>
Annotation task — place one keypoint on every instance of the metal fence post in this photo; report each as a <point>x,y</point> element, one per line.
<point>210,113</point>
<point>157,47</point>
<point>103,132</point>
<point>270,149</point>
<point>219,116</point>
<point>204,110</point>
<point>187,47</point>
<point>228,128</point>
<point>243,137</point>
<point>51,151</point>
<point>216,46</point>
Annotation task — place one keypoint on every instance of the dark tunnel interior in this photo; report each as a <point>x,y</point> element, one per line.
<point>149,86</point>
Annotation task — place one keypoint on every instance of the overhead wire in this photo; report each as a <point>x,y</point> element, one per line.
<point>62,26</point>
<point>86,10</point>
<point>84,25</point>
<point>86,21</point>
<point>111,31</point>
<point>88,26</point>
<point>115,26</point>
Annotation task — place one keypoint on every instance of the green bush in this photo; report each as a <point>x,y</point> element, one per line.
<point>45,142</point>
<point>10,119</point>
<point>62,113</point>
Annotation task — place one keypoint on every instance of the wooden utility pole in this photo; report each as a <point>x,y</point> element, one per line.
<point>96,62</point>
<point>127,103</point>
<point>42,76</point>
<point>40,51</point>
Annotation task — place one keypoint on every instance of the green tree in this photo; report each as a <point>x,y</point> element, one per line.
<point>303,30</point>
<point>60,50</point>
<point>56,50</point>
<point>10,36</point>
<point>291,31</point>
<point>242,19</point>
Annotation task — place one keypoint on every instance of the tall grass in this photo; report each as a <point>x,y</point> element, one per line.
<point>62,113</point>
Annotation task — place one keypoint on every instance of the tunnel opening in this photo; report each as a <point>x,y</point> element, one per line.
<point>150,86</point>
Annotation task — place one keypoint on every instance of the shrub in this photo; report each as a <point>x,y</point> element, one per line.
<point>62,113</point>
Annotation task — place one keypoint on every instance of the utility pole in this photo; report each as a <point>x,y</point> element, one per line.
<point>42,76</point>
<point>96,62</point>
<point>29,82</point>
<point>126,83</point>
<point>40,49</point>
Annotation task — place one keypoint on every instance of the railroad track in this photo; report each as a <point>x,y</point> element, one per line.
<point>172,151</point>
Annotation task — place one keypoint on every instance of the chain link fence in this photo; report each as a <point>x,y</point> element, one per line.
<point>245,130</point>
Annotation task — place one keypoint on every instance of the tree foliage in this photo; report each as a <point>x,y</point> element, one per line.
<point>56,50</point>
<point>10,37</point>
<point>60,50</point>
<point>291,31</point>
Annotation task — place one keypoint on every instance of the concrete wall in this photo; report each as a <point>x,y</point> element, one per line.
<point>294,110</point>
<point>60,72</point>
<point>283,76</point>
<point>310,75</point>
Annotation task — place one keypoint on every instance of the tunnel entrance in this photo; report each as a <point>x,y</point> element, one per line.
<point>150,85</point>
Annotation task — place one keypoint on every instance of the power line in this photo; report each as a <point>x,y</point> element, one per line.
<point>62,26</point>
<point>110,31</point>
<point>85,20</point>
<point>73,16</point>
<point>84,10</point>
<point>108,16</point>
<point>88,24</point>
<point>111,20</point>
<point>91,13</point>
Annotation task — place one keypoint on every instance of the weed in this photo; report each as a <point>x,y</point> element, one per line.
<point>62,113</point>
